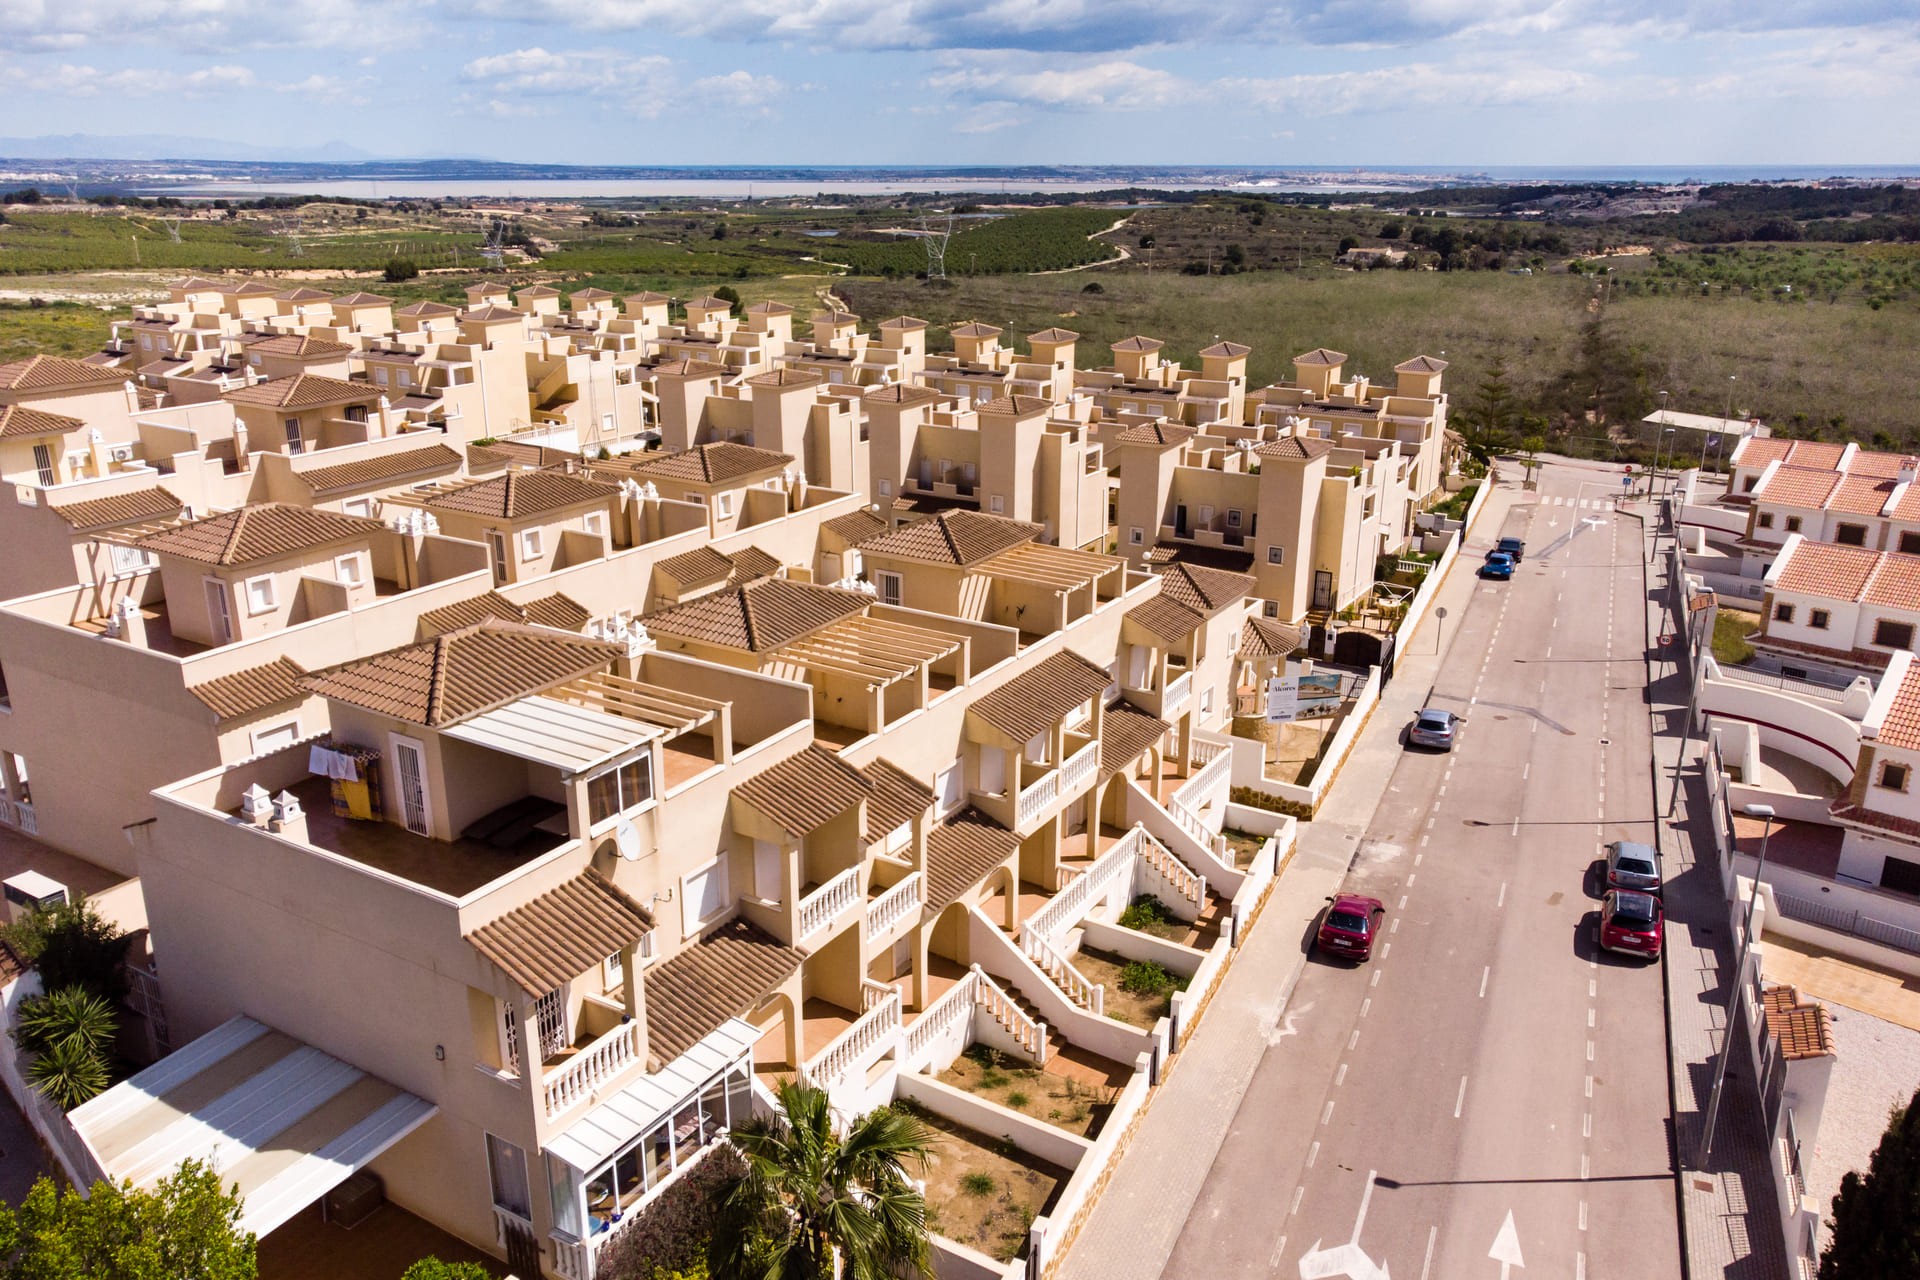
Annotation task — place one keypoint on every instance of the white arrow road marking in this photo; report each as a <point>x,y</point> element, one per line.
<point>1287,1028</point>
<point>1506,1248</point>
<point>1347,1259</point>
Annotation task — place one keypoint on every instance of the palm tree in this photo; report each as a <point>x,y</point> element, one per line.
<point>816,1203</point>
<point>68,1073</point>
<point>69,1014</point>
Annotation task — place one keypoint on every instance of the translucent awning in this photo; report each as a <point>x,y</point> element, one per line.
<point>596,1136</point>
<point>548,731</point>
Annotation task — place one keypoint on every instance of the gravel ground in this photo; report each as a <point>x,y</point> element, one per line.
<point>1877,1068</point>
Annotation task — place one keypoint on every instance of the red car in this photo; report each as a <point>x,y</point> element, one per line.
<point>1631,923</point>
<point>1350,925</point>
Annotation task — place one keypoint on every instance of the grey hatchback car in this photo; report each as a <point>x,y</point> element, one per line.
<point>1634,866</point>
<point>1433,727</point>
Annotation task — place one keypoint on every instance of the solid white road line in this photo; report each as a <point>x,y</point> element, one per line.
<point>1460,1099</point>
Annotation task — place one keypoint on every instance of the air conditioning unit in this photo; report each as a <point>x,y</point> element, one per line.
<point>121,453</point>
<point>29,891</point>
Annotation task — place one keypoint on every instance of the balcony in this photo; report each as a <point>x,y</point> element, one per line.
<point>591,1068</point>
<point>849,1055</point>
<point>895,908</point>
<point>822,909</point>
<point>1039,801</point>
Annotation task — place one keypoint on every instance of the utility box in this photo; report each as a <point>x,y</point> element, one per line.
<point>29,891</point>
<point>354,1200</point>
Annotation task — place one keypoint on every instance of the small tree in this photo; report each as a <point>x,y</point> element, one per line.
<point>72,945</point>
<point>729,294</point>
<point>1874,1232</point>
<point>186,1226</point>
<point>69,1073</point>
<point>434,1269</point>
<point>400,269</point>
<point>71,1015</point>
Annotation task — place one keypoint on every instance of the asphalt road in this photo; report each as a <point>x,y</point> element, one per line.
<point>1490,1088</point>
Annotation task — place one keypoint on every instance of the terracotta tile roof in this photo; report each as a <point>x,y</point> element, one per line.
<point>1265,638</point>
<point>1161,432</point>
<point>538,291</point>
<point>1849,812</point>
<point>1124,734</point>
<point>974,329</point>
<point>954,537</point>
<point>303,294</point>
<point>254,689</point>
<point>1797,487</point>
<point>302,391</point>
<point>697,567</point>
<point>131,507</point>
<point>426,308</point>
<point>492,313</point>
<point>262,532</point>
<point>1016,406</point>
<point>1205,590</point>
<point>18,421</point>
<point>247,289</point>
<point>383,468</point>
<point>769,309</point>
<point>444,680</point>
<point>1165,619</point>
<point>805,792</point>
<point>305,346</point>
<point>1895,582</point>
<point>520,494</point>
<point>897,798</point>
<point>723,975</point>
<point>1421,364</point>
<point>529,455</point>
<point>1322,357</point>
<point>469,612</point>
<point>565,932</point>
<point>1859,495</point>
<point>1902,725</point>
<point>856,527</point>
<point>758,617</point>
<point>903,322</point>
<point>1827,569</point>
<point>714,463</point>
<point>1296,448</point>
<point>751,562</point>
<point>1055,335</point>
<point>787,377</point>
<point>1039,698</point>
<point>363,299</point>
<point>835,319</point>
<point>1885,466</point>
<point>1138,343</point>
<point>559,610</point>
<point>37,373</point>
<point>709,303</point>
<point>648,299</point>
<point>1803,1030</point>
<point>1228,350</point>
<point>960,853</point>
<point>902,393</point>
<point>590,295</point>
<point>688,369</point>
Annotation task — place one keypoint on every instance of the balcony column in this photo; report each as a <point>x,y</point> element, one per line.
<point>532,1069</point>
<point>1160,669</point>
<point>876,707</point>
<point>633,996</point>
<point>9,775</point>
<point>793,875</point>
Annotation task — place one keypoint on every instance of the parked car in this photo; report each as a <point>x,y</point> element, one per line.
<point>1350,925</point>
<point>1513,547</point>
<point>1433,727</point>
<point>1499,565</point>
<point>1631,923</point>
<point>1631,865</point>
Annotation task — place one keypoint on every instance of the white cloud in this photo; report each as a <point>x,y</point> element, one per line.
<point>55,25</point>
<point>738,89</point>
<point>1116,86</point>
<point>538,72</point>
<point>1414,86</point>
<point>145,82</point>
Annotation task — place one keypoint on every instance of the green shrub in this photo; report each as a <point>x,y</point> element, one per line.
<point>71,1015</point>
<point>669,1234</point>
<point>68,1073</point>
<point>1145,912</point>
<point>977,1184</point>
<point>397,270</point>
<point>72,945</point>
<point>1017,1099</point>
<point>434,1269</point>
<point>1145,978</point>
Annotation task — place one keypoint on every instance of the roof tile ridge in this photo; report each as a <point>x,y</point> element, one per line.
<point>946,532</point>
<point>436,678</point>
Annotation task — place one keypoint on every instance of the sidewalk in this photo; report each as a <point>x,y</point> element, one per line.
<point>1138,1219</point>
<point>1730,1223</point>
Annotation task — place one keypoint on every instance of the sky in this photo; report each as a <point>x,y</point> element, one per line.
<point>1308,82</point>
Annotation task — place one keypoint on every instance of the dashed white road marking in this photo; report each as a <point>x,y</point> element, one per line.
<point>1340,1076</point>
<point>1460,1099</point>
<point>1433,1233</point>
<point>1503,895</point>
<point>1313,1153</point>
<point>1484,972</point>
<point>1352,1040</point>
<point>1297,1193</point>
<point>1327,1114</point>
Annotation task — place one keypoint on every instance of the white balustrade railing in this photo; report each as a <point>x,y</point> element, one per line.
<point>959,1002</point>
<point>1073,900</point>
<point>895,905</point>
<point>1034,799</point>
<point>824,905</point>
<point>955,1004</point>
<point>1080,768</point>
<point>1054,963</point>
<point>873,993</point>
<point>1176,873</point>
<point>1178,691</point>
<point>1029,1032</point>
<point>1217,764</point>
<point>582,1075</point>
<point>1189,821</point>
<point>18,813</point>
<point>851,1048</point>
<point>571,1258</point>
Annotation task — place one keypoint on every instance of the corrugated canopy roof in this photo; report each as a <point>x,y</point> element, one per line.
<point>563,933</point>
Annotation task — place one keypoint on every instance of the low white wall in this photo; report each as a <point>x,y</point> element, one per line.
<point>1050,1233</point>
<point>1787,805</point>
<point>47,1120</point>
<point>1000,956</point>
<point>1822,738</point>
<point>954,1261</point>
<point>1896,910</point>
<point>1255,822</point>
<point>1186,1005</point>
<point>1181,961</point>
<point>1840,944</point>
<point>1035,1137</point>
<point>1714,519</point>
<point>1261,874</point>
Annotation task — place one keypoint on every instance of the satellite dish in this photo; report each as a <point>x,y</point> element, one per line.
<point>626,839</point>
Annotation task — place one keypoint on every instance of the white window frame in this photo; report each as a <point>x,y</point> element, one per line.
<point>1276,555</point>
<point>255,605</point>
<point>997,504</point>
<point>128,561</point>
<point>346,570</point>
<point>718,867</point>
<point>259,738</point>
<point>889,587</point>
<point>723,505</point>
<point>530,544</point>
<point>886,487</point>
<point>380,374</point>
<point>1136,536</point>
<point>595,523</point>
<point>699,498</point>
<point>358,507</point>
<point>402,378</point>
<point>296,438</point>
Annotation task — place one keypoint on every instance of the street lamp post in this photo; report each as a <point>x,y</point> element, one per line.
<point>1765,813</point>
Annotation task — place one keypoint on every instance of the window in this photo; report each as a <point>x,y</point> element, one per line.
<point>723,503</point>
<point>619,789</point>
<point>1893,635</point>
<point>1135,537</point>
<point>706,894</point>
<point>403,378</point>
<point>1793,524</point>
<point>507,1172</point>
<point>1276,555</point>
<point>530,544</point>
<point>130,559</point>
<point>1271,609</point>
<point>1909,543</point>
<point>1894,776</point>
<point>887,586</point>
<point>1766,520</point>
<point>1233,518</point>
<point>595,523</point>
<point>281,735</point>
<point>1206,701</point>
<point>1850,535</point>
<point>260,595</point>
<point>1819,619</point>
<point>886,487</point>
<point>497,552</point>
<point>997,504</point>
<point>346,569</point>
<point>380,374</point>
<point>1747,485</point>
<point>698,498</point>
<point>1783,613</point>
<point>294,443</point>
<point>358,507</point>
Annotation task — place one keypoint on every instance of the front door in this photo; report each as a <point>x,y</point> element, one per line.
<point>1322,589</point>
<point>497,551</point>
<point>1180,520</point>
<point>1900,876</point>
<point>219,612</point>
<point>410,763</point>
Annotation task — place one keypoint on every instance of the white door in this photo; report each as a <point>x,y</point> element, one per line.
<point>219,612</point>
<point>410,764</point>
<point>1206,517</point>
<point>497,548</point>
<point>993,770</point>
<point>43,465</point>
<point>1137,667</point>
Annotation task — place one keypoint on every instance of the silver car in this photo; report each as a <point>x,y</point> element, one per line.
<point>1634,866</point>
<point>1433,727</point>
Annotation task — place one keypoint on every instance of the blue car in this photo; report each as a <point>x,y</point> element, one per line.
<point>1499,565</point>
